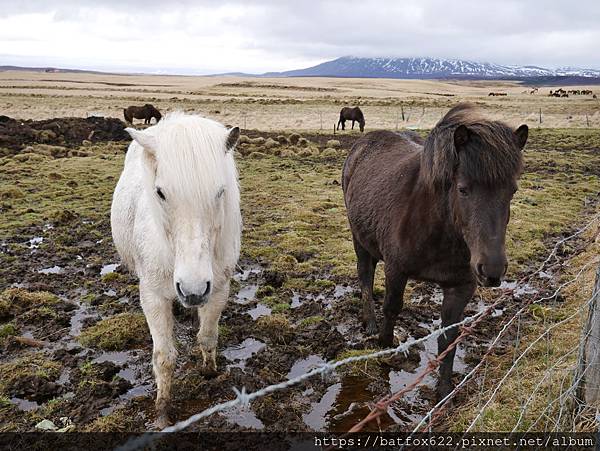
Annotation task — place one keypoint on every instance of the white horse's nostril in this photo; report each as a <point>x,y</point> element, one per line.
<point>179,290</point>
<point>207,291</point>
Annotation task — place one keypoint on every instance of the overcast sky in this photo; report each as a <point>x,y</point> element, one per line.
<point>213,36</point>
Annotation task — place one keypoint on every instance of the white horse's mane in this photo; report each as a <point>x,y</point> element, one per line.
<point>191,154</point>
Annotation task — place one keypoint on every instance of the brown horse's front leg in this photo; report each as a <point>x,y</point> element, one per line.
<point>395,283</point>
<point>453,306</point>
<point>365,266</point>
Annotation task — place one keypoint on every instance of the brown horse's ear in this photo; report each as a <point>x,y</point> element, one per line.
<point>461,136</point>
<point>522,133</point>
<point>232,138</point>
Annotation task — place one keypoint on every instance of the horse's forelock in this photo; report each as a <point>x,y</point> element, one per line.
<point>490,157</point>
<point>191,157</point>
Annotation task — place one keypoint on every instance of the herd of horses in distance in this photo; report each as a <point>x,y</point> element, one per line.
<point>147,112</point>
<point>560,92</point>
<point>433,209</point>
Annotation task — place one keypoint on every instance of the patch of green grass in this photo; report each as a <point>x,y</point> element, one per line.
<point>311,320</point>
<point>7,330</point>
<point>15,372</point>
<point>15,301</point>
<point>224,331</point>
<point>281,307</point>
<point>360,367</point>
<point>119,332</point>
<point>113,277</point>
<point>277,327</point>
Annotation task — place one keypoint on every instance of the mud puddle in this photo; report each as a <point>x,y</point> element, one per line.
<point>239,354</point>
<point>347,398</point>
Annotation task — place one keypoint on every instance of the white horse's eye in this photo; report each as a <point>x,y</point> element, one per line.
<point>160,194</point>
<point>221,192</point>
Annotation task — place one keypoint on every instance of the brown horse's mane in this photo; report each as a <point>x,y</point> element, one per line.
<point>491,156</point>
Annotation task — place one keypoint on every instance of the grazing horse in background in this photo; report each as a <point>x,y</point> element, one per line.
<point>176,224</point>
<point>351,114</point>
<point>433,210</point>
<point>146,112</point>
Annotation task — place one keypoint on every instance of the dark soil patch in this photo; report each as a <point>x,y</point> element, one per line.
<point>68,131</point>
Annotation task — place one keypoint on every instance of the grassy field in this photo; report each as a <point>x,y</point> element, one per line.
<point>288,104</point>
<point>72,336</point>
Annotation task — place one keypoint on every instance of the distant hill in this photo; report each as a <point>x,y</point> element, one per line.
<point>407,68</point>
<point>428,68</point>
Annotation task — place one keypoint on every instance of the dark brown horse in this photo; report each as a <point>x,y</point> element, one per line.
<point>433,210</point>
<point>146,112</point>
<point>351,114</point>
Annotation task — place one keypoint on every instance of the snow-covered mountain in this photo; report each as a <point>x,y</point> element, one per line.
<point>349,66</point>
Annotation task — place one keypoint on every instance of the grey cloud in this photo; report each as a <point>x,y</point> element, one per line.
<point>548,33</point>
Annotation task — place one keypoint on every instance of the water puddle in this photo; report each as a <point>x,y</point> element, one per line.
<point>316,419</point>
<point>247,273</point>
<point>243,417</point>
<point>258,311</point>
<point>246,294</point>
<point>518,290</point>
<point>24,404</point>
<point>116,357</point>
<point>298,300</point>
<point>305,365</point>
<point>77,319</point>
<point>347,401</point>
<point>107,269</point>
<point>52,270</point>
<point>239,354</point>
<point>65,377</point>
<point>341,291</point>
<point>35,242</point>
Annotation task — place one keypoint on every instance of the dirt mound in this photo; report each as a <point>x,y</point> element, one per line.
<point>67,131</point>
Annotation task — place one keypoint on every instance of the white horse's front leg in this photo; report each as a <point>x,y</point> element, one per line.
<point>159,316</point>
<point>208,335</point>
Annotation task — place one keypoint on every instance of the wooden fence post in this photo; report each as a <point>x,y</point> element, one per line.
<point>588,368</point>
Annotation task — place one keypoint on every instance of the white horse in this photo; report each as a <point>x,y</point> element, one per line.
<point>176,224</point>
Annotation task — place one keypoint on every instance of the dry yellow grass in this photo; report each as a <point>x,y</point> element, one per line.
<point>286,103</point>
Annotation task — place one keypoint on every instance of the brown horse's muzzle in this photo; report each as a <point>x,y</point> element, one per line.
<point>490,274</point>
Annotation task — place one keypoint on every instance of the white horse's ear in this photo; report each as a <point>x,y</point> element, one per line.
<point>232,139</point>
<point>145,139</point>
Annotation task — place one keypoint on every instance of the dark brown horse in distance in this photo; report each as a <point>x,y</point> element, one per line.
<point>433,210</point>
<point>146,112</point>
<point>351,114</point>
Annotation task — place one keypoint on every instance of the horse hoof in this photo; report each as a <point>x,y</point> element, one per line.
<point>444,390</point>
<point>162,421</point>
<point>386,341</point>
<point>209,369</point>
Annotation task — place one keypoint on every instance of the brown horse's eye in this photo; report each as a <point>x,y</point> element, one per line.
<point>463,191</point>
<point>160,194</point>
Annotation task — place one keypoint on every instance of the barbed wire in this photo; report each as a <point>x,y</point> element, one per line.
<point>436,411</point>
<point>382,405</point>
<point>243,398</point>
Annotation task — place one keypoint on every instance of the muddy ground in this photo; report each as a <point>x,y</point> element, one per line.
<point>74,345</point>
<point>15,134</point>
